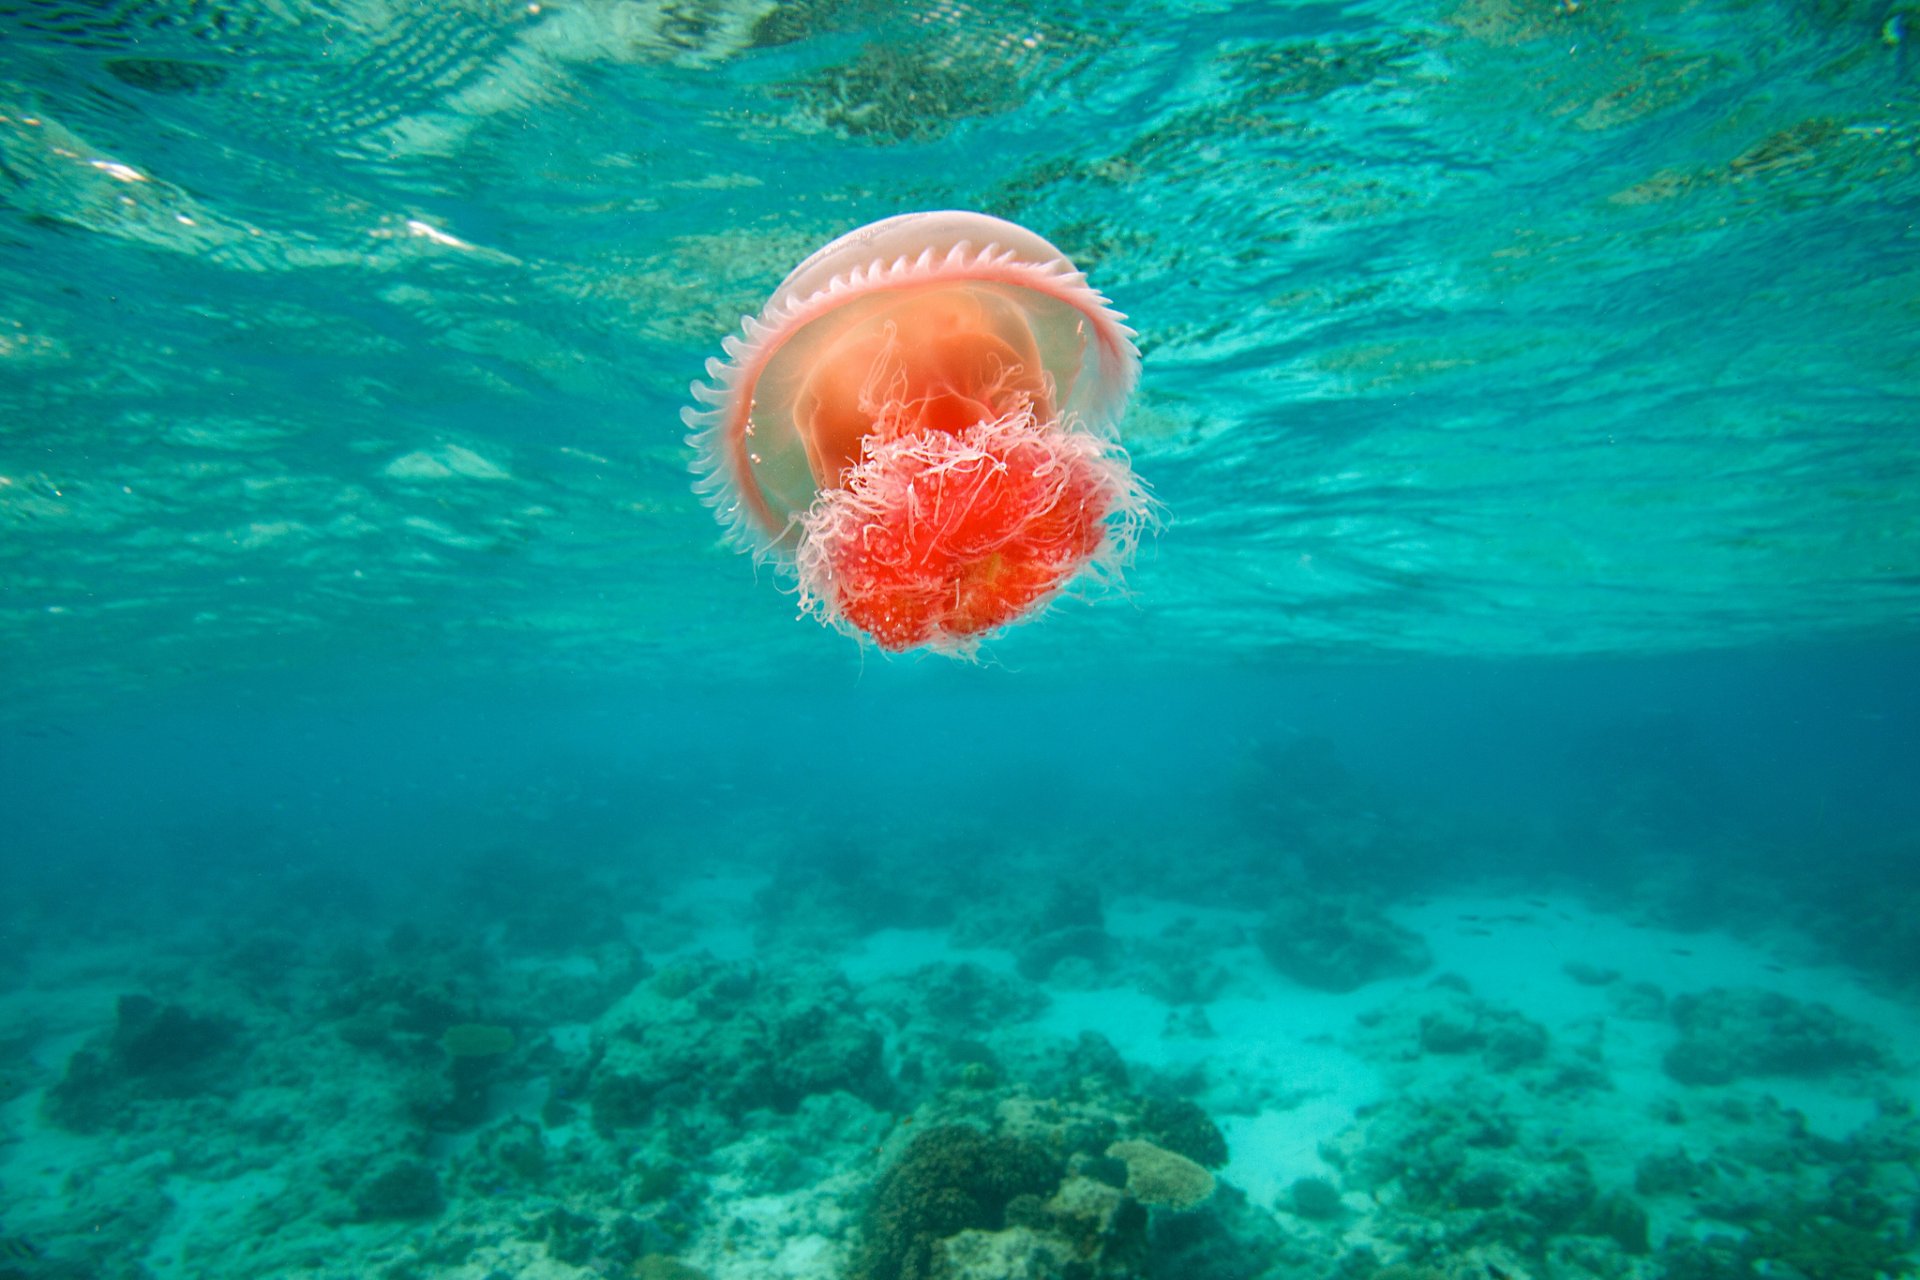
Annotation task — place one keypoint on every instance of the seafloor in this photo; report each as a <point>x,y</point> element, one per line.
<point>1319,1032</point>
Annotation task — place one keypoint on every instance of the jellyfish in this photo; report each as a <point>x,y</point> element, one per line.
<point>921,426</point>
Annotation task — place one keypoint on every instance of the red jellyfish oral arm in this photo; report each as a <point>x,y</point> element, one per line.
<point>921,423</point>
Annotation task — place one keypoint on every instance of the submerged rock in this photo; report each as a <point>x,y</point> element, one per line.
<point>1181,1126</point>
<point>1315,1198</point>
<point>951,1179</point>
<point>1017,1253</point>
<point>1622,1219</point>
<point>406,1189</point>
<point>1339,945</point>
<point>1070,925</point>
<point>657,1266</point>
<point>1803,1240</point>
<point>970,998</point>
<point>155,1051</point>
<point>1667,1173</point>
<point>510,1155</point>
<point>1445,1019</point>
<point>1161,1178</point>
<point>164,1043</point>
<point>1728,1034</point>
<point>1588,974</point>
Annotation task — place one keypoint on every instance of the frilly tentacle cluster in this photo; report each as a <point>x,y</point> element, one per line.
<point>938,539</point>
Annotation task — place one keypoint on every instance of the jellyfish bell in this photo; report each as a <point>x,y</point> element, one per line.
<point>921,421</point>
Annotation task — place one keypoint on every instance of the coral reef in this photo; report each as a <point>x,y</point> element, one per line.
<point>1045,1192</point>
<point>733,1039</point>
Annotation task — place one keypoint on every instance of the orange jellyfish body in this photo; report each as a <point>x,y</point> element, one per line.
<point>921,420</point>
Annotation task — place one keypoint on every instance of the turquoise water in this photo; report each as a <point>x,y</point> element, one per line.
<point>1479,329</point>
<point>1480,837</point>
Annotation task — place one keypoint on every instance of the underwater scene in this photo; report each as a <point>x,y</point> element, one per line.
<point>942,640</point>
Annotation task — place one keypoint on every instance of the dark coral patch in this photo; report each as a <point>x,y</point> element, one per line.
<point>951,1179</point>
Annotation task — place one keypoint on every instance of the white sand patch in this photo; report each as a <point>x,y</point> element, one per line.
<point>37,1160</point>
<point>893,952</point>
<point>1151,917</point>
<point>717,908</point>
<point>571,1039</point>
<point>1273,1148</point>
<point>520,1099</point>
<point>1514,952</point>
<point>1281,1080</point>
<point>770,1238</point>
<point>210,1211</point>
<point>573,964</point>
<point>1131,1020</point>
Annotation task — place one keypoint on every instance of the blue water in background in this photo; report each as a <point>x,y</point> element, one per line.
<point>1794,753</point>
<point>1531,389</point>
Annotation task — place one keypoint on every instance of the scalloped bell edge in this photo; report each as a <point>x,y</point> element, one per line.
<point>729,383</point>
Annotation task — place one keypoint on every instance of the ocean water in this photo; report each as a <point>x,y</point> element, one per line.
<point>1478,841</point>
